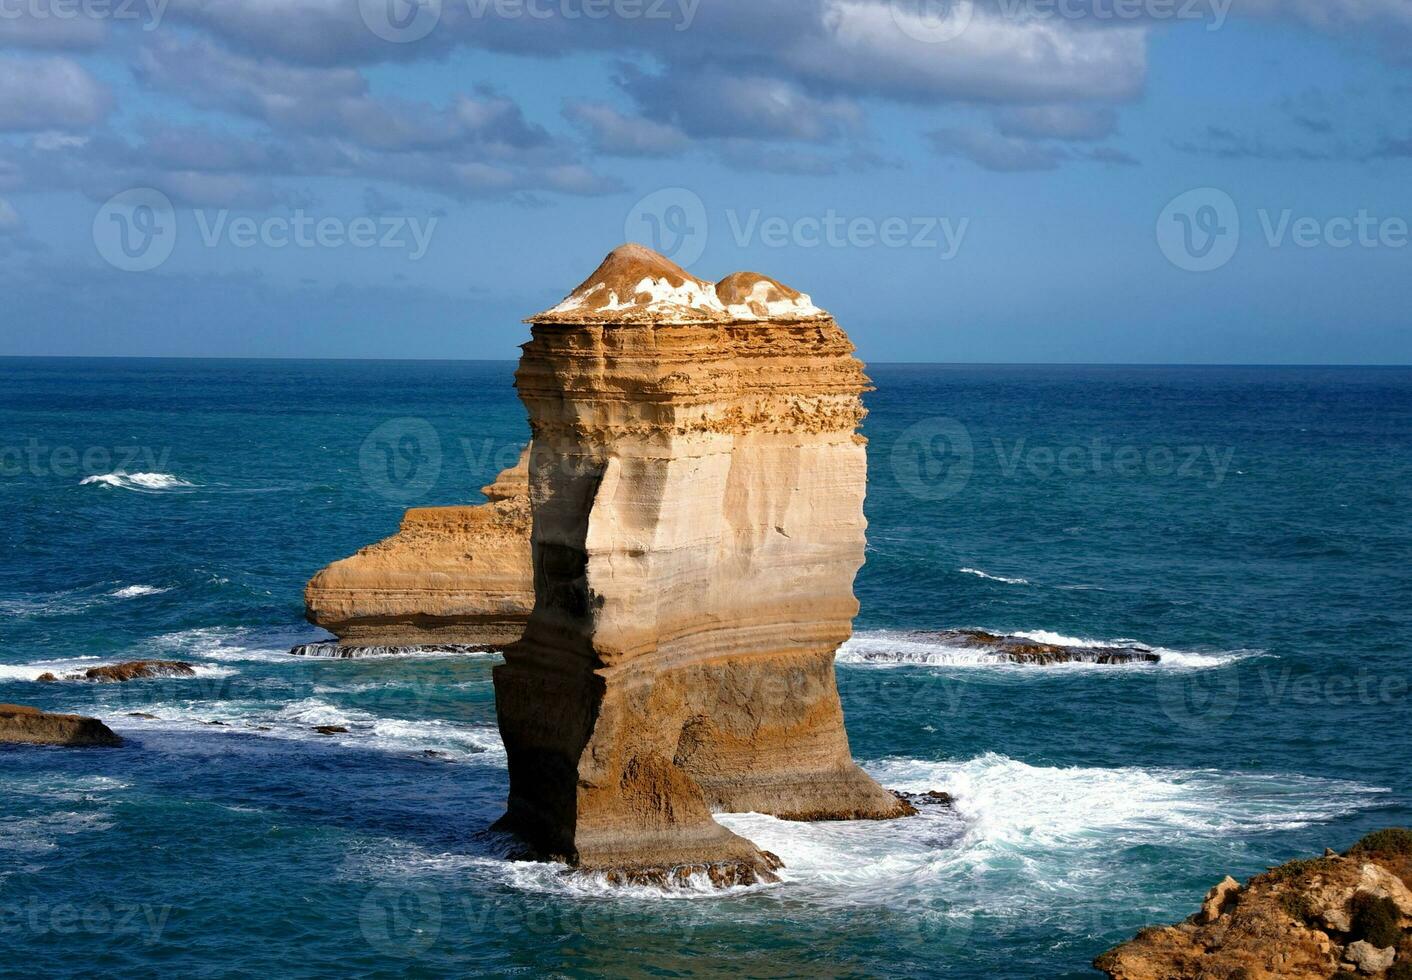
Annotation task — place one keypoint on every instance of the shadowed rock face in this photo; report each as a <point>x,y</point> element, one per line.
<point>30,726</point>
<point>452,576</point>
<point>697,484</point>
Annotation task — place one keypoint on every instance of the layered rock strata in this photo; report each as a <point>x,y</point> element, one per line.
<point>30,726</point>
<point>697,485</point>
<point>450,577</point>
<point>1338,916</point>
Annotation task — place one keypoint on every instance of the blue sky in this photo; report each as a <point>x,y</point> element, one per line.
<point>998,180</point>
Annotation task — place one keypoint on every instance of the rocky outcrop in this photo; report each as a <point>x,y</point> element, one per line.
<point>450,577</point>
<point>129,671</point>
<point>1336,916</point>
<point>30,726</point>
<point>697,484</point>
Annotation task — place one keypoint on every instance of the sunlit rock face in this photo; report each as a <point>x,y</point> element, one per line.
<point>450,576</point>
<point>697,485</point>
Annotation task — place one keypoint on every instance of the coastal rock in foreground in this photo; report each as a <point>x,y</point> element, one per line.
<point>451,576</point>
<point>697,483</point>
<point>30,726</point>
<point>1339,916</point>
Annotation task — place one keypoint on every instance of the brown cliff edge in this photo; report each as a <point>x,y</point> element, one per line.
<point>1337,916</point>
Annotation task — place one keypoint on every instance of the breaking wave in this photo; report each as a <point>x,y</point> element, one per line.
<point>144,482</point>
<point>993,578</point>
<point>896,648</point>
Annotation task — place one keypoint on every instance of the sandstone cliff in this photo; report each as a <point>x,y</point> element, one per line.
<point>1339,916</point>
<point>450,575</point>
<point>697,484</point>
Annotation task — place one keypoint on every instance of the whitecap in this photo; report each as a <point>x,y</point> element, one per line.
<point>145,482</point>
<point>993,578</point>
<point>134,591</point>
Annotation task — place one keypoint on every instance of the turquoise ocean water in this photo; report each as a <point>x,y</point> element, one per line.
<point>1252,524</point>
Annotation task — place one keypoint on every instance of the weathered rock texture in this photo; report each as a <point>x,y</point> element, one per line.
<point>451,576</point>
<point>30,726</point>
<point>132,670</point>
<point>1334,916</point>
<point>697,483</point>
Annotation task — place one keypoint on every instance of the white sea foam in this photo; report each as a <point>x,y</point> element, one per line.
<point>1020,834</point>
<point>134,591</point>
<point>887,648</point>
<point>297,720</point>
<point>993,578</point>
<point>145,482</point>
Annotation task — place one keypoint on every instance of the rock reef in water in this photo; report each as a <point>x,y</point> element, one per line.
<point>1339,916</point>
<point>1009,648</point>
<point>30,726</point>
<point>451,577</point>
<point>130,671</point>
<point>697,482</point>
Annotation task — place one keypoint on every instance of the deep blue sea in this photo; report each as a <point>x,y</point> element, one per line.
<point>1252,524</point>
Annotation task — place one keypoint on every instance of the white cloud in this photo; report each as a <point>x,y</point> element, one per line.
<point>49,93</point>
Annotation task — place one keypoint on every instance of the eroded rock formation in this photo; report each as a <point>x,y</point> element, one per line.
<point>451,576</point>
<point>132,670</point>
<point>1339,916</point>
<point>30,726</point>
<point>697,481</point>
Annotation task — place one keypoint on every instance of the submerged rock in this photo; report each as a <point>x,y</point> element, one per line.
<point>30,726</point>
<point>697,481</point>
<point>330,729</point>
<point>1305,920</point>
<point>450,575</point>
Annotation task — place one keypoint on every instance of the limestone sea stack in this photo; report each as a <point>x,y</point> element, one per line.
<point>697,481</point>
<point>451,576</point>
